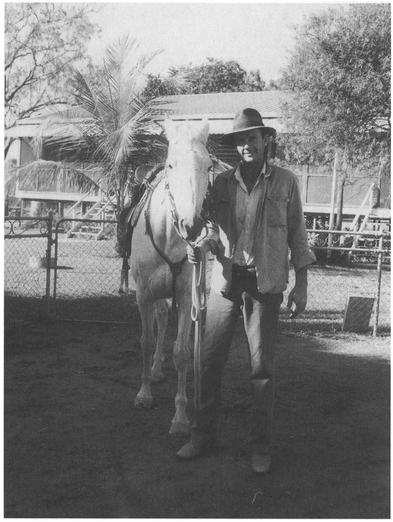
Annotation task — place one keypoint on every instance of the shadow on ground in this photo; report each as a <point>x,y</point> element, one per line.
<point>75,447</point>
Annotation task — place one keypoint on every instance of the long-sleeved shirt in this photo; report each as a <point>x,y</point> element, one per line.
<point>278,227</point>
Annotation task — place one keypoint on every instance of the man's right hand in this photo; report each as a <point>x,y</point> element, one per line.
<point>194,254</point>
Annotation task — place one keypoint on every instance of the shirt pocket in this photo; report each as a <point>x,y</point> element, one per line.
<point>277,211</point>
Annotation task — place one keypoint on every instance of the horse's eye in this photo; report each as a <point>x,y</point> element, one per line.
<point>169,166</point>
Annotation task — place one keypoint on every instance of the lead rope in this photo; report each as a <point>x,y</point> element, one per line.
<point>198,305</point>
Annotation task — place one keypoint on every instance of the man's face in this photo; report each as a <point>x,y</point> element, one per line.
<point>251,146</point>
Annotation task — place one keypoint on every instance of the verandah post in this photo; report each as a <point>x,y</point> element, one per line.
<point>378,291</point>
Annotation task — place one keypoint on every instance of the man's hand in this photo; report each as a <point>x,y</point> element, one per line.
<point>202,248</point>
<point>298,294</point>
<point>195,254</point>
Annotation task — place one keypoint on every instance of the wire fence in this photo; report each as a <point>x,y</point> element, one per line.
<point>27,249</point>
<point>74,278</point>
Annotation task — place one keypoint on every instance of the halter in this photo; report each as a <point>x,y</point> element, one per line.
<point>206,208</point>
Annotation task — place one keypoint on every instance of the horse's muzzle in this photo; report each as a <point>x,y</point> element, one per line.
<point>190,231</point>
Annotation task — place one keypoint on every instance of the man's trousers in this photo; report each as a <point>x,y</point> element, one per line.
<point>260,315</point>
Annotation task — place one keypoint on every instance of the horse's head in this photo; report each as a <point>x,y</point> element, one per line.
<point>187,170</point>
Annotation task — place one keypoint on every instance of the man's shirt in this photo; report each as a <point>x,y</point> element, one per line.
<point>246,217</point>
<point>270,224</point>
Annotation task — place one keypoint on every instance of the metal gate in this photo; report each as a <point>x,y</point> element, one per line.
<point>87,273</point>
<point>27,267</point>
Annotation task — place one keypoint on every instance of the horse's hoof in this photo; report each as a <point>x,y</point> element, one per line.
<point>145,403</point>
<point>180,429</point>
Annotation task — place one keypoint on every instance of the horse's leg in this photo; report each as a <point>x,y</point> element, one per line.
<point>146,308</point>
<point>181,356</point>
<point>161,314</point>
<point>124,288</point>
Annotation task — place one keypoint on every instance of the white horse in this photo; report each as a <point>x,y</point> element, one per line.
<point>159,263</point>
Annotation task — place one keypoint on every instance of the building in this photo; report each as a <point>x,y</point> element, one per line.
<point>316,181</point>
<point>219,108</point>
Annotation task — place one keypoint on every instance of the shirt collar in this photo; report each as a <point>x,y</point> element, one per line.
<point>264,172</point>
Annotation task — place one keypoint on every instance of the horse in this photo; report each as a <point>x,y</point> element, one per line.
<point>171,219</point>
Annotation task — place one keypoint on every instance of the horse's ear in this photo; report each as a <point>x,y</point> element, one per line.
<point>169,127</point>
<point>204,131</point>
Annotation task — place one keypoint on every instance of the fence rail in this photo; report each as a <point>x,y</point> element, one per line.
<point>79,279</point>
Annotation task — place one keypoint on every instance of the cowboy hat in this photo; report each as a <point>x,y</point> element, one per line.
<point>245,120</point>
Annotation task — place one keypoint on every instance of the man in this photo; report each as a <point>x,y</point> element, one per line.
<point>259,214</point>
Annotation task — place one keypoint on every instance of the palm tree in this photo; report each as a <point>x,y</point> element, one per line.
<point>108,129</point>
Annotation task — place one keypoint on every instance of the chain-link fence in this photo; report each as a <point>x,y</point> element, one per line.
<point>27,248</point>
<point>342,297</point>
<point>85,279</point>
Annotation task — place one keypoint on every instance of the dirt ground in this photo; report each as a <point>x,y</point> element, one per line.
<point>75,447</point>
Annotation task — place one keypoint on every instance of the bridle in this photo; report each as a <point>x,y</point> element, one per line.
<point>174,212</point>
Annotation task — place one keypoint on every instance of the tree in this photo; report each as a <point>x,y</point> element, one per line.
<point>274,85</point>
<point>107,130</point>
<point>253,82</point>
<point>216,76</point>
<point>175,83</point>
<point>41,40</point>
<point>339,74</point>
<point>210,77</point>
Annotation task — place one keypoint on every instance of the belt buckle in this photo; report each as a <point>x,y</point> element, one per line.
<point>244,271</point>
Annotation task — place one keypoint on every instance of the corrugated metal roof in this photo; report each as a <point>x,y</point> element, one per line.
<point>21,131</point>
<point>28,128</point>
<point>220,108</point>
<point>222,105</point>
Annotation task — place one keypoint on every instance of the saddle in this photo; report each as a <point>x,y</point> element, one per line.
<point>148,178</point>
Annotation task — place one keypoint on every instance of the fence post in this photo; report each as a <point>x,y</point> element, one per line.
<point>48,261</point>
<point>56,241</point>
<point>378,292</point>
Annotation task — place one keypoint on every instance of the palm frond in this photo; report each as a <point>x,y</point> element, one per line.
<point>81,94</point>
<point>124,79</point>
<point>110,122</point>
<point>119,145</point>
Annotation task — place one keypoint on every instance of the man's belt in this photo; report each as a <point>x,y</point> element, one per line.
<point>244,271</point>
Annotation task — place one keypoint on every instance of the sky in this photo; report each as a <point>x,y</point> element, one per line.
<point>257,35</point>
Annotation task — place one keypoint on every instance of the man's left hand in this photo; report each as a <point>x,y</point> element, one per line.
<point>297,298</point>
<point>298,295</point>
